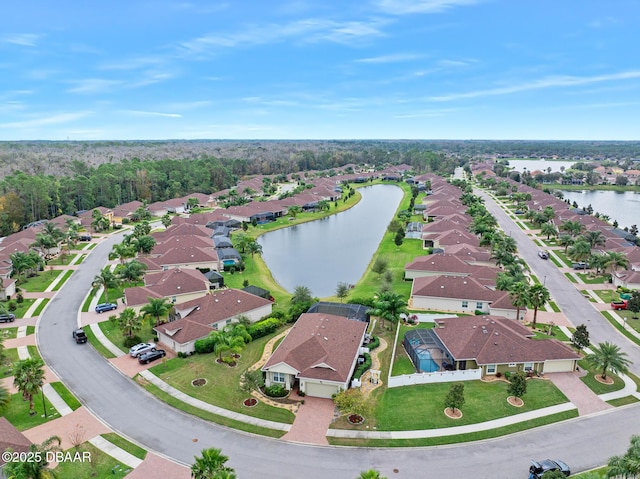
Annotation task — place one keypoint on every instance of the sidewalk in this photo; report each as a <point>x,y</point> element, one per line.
<point>113,349</point>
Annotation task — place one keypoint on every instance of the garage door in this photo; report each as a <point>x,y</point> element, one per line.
<point>320,390</point>
<point>558,366</point>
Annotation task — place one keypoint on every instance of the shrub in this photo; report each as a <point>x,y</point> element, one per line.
<point>374,343</point>
<point>19,298</point>
<point>262,328</point>
<point>204,345</point>
<point>12,306</point>
<point>498,374</point>
<point>182,355</point>
<point>125,221</point>
<point>507,375</point>
<point>128,342</point>
<point>363,367</point>
<point>275,391</point>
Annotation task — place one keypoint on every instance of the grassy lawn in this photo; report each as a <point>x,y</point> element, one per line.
<point>455,439</point>
<point>61,260</point>
<point>623,401</point>
<point>619,327</point>
<point>556,333</point>
<point>40,307</point>
<point>128,446</point>
<point>18,412</point>
<point>402,363</point>
<point>586,294</point>
<point>34,353</point>
<point>10,357</point>
<point>224,421</point>
<point>113,333</point>
<point>222,388</point>
<point>563,257</point>
<point>590,278</point>
<point>97,344</point>
<point>67,275</point>
<point>40,282</point>
<point>484,401</point>
<point>596,386</point>
<point>8,333</point>
<point>555,261</point>
<point>31,330</point>
<point>554,306</point>
<point>66,395</point>
<point>87,302</point>
<point>607,295</point>
<point>101,465</point>
<point>23,307</point>
<point>91,246</point>
<point>571,278</point>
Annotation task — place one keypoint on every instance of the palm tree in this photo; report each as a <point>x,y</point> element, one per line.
<point>132,271</point>
<point>324,205</point>
<point>599,262</point>
<point>122,251</point>
<point>580,251</point>
<point>21,263</point>
<point>5,399</point>
<point>549,229</point>
<point>35,467</point>
<point>538,296</point>
<point>210,464</point>
<point>574,228</point>
<point>28,379</point>
<point>106,279</point>
<point>519,296</point>
<point>627,465</point>
<point>566,240</point>
<point>370,474</point>
<point>242,240</point>
<point>608,357</point>
<point>293,210</point>
<point>52,230</point>
<point>144,244</point>
<point>44,243</point>
<point>595,238</point>
<point>301,294</point>
<point>155,308</point>
<point>389,306</point>
<point>129,322</point>
<point>616,260</point>
<point>254,248</point>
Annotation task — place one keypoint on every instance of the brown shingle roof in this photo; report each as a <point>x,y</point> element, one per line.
<point>11,438</point>
<point>165,284</point>
<point>320,346</point>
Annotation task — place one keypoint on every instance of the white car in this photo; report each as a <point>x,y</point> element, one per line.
<point>141,348</point>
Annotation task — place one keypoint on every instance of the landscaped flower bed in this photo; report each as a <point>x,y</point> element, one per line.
<point>355,419</point>
<point>250,402</point>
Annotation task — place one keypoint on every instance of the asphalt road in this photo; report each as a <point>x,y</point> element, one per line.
<point>128,409</point>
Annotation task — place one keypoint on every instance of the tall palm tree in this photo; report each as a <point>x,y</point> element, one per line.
<point>144,244</point>
<point>129,322</point>
<point>574,228</point>
<point>21,263</point>
<point>132,271</point>
<point>389,306</point>
<point>608,357</point>
<point>254,248</point>
<point>52,230</point>
<point>627,465</point>
<point>566,240</point>
<point>549,229</point>
<point>594,238</point>
<point>5,399</point>
<point>28,379</point>
<point>211,463</point>
<point>293,210</point>
<point>616,260</point>
<point>538,296</point>
<point>106,279</point>
<point>519,296</point>
<point>580,251</point>
<point>155,308</point>
<point>242,240</point>
<point>122,251</point>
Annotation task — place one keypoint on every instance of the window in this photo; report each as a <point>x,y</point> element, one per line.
<point>278,377</point>
<point>465,304</point>
<point>512,365</point>
<point>491,368</point>
<point>528,366</point>
<point>479,305</point>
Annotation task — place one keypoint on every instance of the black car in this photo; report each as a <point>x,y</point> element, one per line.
<point>151,356</point>
<point>84,237</point>
<point>101,308</point>
<point>7,317</point>
<point>79,336</point>
<point>538,468</point>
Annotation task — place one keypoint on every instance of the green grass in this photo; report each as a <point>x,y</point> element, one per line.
<point>8,333</point>
<point>555,261</point>
<point>601,471</point>
<point>556,333</point>
<point>455,439</point>
<point>114,334</point>
<point>101,465</point>
<point>588,278</point>
<point>34,353</point>
<point>91,246</point>
<point>66,395</point>
<point>607,295</point>
<point>571,278</point>
<point>40,282</point>
<point>128,446</point>
<point>67,275</point>
<point>586,294</point>
<point>402,364</point>
<point>623,401</point>
<point>31,330</point>
<point>18,412</point>
<point>554,306</point>
<point>558,186</point>
<point>396,409</point>
<point>40,307</point>
<point>222,420</point>
<point>87,303</point>
<point>97,344</point>
<point>620,328</point>
<point>61,261</point>
<point>222,388</point>
<point>10,357</point>
<point>23,307</point>
<point>563,257</point>
<point>596,386</point>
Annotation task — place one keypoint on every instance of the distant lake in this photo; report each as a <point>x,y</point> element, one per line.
<point>621,206</point>
<point>338,248</point>
<point>542,165</point>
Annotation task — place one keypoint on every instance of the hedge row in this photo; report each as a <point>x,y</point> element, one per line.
<point>263,328</point>
<point>364,367</point>
<point>374,343</point>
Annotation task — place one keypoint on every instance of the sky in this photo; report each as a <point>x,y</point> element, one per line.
<point>311,69</point>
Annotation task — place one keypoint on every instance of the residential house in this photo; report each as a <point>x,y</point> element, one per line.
<point>125,210</point>
<point>448,264</point>
<point>195,319</point>
<point>177,285</point>
<point>320,352</point>
<point>11,440</point>
<point>629,279</point>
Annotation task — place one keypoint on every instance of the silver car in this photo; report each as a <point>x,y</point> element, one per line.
<point>141,348</point>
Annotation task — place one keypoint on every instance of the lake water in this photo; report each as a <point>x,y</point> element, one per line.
<point>322,253</point>
<point>542,165</point>
<point>621,206</point>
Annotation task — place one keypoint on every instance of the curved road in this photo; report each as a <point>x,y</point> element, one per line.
<point>130,410</point>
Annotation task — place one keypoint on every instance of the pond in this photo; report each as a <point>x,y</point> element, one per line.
<point>623,206</point>
<point>322,253</point>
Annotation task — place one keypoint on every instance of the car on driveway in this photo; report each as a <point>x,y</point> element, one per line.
<point>141,348</point>
<point>79,336</point>
<point>103,307</point>
<point>7,317</point>
<point>580,265</point>
<point>538,468</point>
<point>543,254</point>
<point>151,356</point>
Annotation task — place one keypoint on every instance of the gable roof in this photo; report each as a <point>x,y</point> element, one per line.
<point>455,287</point>
<point>11,438</point>
<point>497,340</point>
<point>167,283</point>
<point>320,346</point>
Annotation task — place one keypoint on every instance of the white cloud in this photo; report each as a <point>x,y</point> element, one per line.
<point>46,120</point>
<point>22,39</point>
<point>549,82</point>
<point>407,7</point>
<point>391,58</point>
<point>93,85</point>
<point>151,113</point>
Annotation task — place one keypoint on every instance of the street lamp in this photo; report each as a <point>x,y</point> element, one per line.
<point>44,407</point>
<point>544,281</point>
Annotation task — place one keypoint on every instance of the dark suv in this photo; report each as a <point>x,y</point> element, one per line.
<point>79,336</point>
<point>101,308</point>
<point>538,468</point>
<point>7,317</point>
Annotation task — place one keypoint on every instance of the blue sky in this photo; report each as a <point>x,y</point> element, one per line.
<point>301,69</point>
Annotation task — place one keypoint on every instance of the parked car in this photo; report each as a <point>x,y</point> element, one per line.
<point>543,254</point>
<point>84,237</point>
<point>618,305</point>
<point>580,265</point>
<point>141,348</point>
<point>538,468</point>
<point>7,317</point>
<point>151,356</point>
<point>79,336</point>
<point>102,307</point>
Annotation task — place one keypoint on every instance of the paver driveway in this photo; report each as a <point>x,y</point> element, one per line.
<point>312,421</point>
<point>578,393</point>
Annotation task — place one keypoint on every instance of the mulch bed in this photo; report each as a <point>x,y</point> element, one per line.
<point>609,381</point>
<point>355,419</point>
<point>456,414</point>
<point>250,402</point>
<point>515,401</point>
<point>199,382</point>
<point>232,364</point>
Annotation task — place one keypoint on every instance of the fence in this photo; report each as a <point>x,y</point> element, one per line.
<point>437,377</point>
